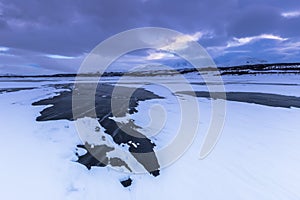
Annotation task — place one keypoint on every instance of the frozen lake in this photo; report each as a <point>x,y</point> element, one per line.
<point>256,157</point>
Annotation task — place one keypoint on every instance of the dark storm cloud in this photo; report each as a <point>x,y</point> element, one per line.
<point>254,20</point>
<point>70,27</point>
<point>74,27</point>
<point>63,27</point>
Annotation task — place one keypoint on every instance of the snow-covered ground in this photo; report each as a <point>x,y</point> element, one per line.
<point>257,156</point>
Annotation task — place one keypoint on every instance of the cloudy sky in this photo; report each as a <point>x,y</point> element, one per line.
<point>42,36</point>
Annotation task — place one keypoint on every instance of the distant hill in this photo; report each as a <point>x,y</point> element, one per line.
<point>274,68</point>
<point>265,68</point>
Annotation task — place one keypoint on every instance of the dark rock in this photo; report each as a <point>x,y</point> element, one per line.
<point>127,182</point>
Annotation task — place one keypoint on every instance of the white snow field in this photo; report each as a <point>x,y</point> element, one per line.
<point>257,156</point>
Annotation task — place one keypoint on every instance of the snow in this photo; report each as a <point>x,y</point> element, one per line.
<point>257,156</point>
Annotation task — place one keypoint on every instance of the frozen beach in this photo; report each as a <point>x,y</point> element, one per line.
<point>256,157</point>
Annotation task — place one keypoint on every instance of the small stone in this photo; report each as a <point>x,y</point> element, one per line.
<point>127,182</point>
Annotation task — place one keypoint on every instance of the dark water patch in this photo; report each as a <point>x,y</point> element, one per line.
<point>89,160</point>
<point>62,109</point>
<point>245,83</point>
<point>246,72</point>
<point>66,86</point>
<point>97,156</point>
<point>272,84</point>
<point>274,100</point>
<point>5,90</point>
<point>27,80</point>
